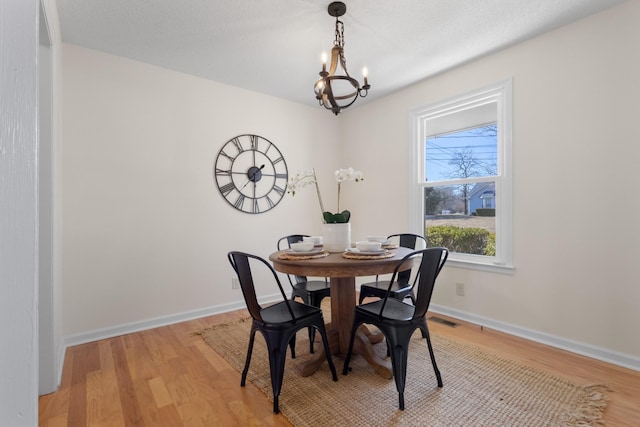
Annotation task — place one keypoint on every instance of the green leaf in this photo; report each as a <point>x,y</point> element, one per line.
<point>337,218</point>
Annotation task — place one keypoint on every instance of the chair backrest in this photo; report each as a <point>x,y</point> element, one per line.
<point>241,263</point>
<point>432,261</point>
<point>407,240</point>
<point>285,243</point>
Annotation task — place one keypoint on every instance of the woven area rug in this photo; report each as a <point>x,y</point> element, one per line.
<point>480,389</point>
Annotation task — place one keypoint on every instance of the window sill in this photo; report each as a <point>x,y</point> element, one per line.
<point>481,266</point>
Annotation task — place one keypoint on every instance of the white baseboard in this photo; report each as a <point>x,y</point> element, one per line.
<point>128,328</point>
<point>99,334</point>
<point>594,352</point>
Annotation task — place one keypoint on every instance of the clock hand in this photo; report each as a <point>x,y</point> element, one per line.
<point>251,176</point>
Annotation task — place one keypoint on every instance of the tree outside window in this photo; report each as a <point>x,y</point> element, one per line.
<point>456,215</point>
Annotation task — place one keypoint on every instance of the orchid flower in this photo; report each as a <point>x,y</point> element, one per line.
<point>307,177</point>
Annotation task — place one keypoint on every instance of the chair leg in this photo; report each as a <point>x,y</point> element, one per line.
<point>347,358</point>
<point>412,295</point>
<point>327,351</point>
<point>312,330</point>
<point>433,358</point>
<point>277,347</point>
<point>399,343</point>
<point>312,337</point>
<point>423,333</point>
<point>252,336</point>
<point>399,362</point>
<point>292,346</point>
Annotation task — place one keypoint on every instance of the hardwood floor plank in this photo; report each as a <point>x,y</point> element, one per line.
<point>110,404</point>
<point>85,360</point>
<point>149,411</point>
<point>127,392</point>
<point>181,390</point>
<point>57,421</point>
<point>160,392</point>
<point>198,413</point>
<point>169,417</point>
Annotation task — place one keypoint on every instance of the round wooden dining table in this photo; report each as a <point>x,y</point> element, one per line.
<point>342,273</point>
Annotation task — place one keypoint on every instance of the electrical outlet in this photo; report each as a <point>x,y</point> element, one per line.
<point>460,289</point>
<point>235,284</point>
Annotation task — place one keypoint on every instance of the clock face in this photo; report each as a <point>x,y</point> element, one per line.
<point>251,173</point>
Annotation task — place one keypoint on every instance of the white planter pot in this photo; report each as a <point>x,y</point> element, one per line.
<point>336,237</point>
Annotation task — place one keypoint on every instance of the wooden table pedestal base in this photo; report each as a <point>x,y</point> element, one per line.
<point>343,300</point>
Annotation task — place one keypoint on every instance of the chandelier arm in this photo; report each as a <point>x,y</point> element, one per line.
<point>335,55</point>
<point>349,79</point>
<point>343,64</point>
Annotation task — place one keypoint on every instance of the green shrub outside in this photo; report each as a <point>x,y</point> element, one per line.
<point>477,241</point>
<point>485,212</point>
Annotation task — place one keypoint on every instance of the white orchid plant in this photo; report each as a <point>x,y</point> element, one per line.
<point>307,177</point>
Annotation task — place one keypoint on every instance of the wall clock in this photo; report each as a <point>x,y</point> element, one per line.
<point>251,173</point>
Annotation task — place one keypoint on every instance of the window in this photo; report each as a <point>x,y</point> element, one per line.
<point>461,177</point>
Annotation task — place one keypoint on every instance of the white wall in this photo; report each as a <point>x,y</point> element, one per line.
<point>18,213</point>
<point>576,150</point>
<point>146,231</point>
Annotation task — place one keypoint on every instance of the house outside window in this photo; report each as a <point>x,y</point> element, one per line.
<point>482,196</point>
<point>461,177</point>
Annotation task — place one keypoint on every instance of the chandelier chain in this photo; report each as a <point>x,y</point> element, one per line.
<point>339,41</point>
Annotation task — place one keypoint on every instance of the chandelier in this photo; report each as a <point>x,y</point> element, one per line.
<point>337,91</point>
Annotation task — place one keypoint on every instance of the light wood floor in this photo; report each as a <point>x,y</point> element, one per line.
<point>168,376</point>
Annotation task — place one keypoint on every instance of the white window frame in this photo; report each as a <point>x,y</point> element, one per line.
<point>501,94</point>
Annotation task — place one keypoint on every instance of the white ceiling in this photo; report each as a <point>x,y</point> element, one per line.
<point>274,47</point>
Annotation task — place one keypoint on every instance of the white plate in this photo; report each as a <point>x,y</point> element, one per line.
<point>301,253</point>
<point>358,251</point>
<point>385,242</point>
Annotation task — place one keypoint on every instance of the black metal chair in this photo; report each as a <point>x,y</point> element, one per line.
<point>401,289</point>
<point>398,320</point>
<point>310,291</point>
<point>278,323</point>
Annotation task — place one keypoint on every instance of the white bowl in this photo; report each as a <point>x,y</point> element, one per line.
<point>316,240</point>
<point>367,246</point>
<point>302,246</point>
<point>381,239</point>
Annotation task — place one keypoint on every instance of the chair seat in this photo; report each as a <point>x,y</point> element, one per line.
<point>393,310</point>
<point>279,313</point>
<point>383,285</point>
<point>399,290</point>
<point>313,286</point>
